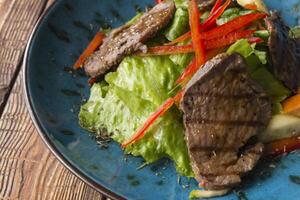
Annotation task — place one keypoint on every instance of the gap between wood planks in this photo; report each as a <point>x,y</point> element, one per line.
<point>6,90</point>
<point>27,169</point>
<point>6,15</point>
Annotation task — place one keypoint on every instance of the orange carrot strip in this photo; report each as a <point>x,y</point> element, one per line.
<point>181,38</point>
<point>291,104</point>
<point>250,6</point>
<point>91,48</point>
<point>91,81</point>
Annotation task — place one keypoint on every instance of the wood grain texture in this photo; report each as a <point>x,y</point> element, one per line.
<point>27,168</point>
<point>17,18</point>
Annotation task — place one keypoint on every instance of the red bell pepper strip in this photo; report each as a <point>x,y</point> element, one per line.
<point>192,68</point>
<point>187,35</point>
<point>211,20</point>
<point>260,26</point>
<point>166,50</point>
<point>216,6</point>
<point>189,70</point>
<point>91,48</point>
<point>210,44</point>
<point>252,40</point>
<point>142,131</point>
<point>179,96</point>
<point>282,146</point>
<point>182,38</point>
<point>153,117</point>
<point>229,39</point>
<point>198,43</point>
<point>233,25</point>
<point>216,12</point>
<point>213,52</point>
<point>158,1</point>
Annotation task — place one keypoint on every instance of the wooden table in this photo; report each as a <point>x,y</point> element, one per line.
<point>28,170</point>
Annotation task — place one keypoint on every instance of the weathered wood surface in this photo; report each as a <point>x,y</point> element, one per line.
<point>17,20</point>
<point>27,168</point>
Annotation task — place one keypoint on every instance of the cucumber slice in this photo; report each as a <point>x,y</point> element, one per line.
<point>281,126</point>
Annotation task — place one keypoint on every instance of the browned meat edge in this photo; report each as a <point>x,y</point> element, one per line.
<point>223,108</point>
<point>129,38</point>
<point>284,51</point>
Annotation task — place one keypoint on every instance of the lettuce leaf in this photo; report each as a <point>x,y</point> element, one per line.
<point>242,47</point>
<point>231,13</point>
<point>179,25</point>
<point>257,61</point>
<point>135,18</point>
<point>151,78</point>
<point>264,34</point>
<point>130,95</point>
<point>181,3</point>
<point>273,87</point>
<point>253,56</point>
<point>181,59</point>
<point>295,32</point>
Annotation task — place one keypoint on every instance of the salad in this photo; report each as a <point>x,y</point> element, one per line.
<point>211,84</point>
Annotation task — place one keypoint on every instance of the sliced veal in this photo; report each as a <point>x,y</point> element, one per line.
<point>129,38</point>
<point>223,108</point>
<point>285,52</point>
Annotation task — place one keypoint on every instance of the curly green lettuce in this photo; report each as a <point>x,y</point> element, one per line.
<point>257,62</point>
<point>119,105</point>
<point>179,24</point>
<point>295,32</point>
<point>129,96</point>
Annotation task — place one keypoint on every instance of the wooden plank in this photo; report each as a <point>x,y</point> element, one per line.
<point>49,3</point>
<point>27,168</point>
<point>17,19</point>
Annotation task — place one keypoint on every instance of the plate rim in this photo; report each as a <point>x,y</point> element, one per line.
<point>42,133</point>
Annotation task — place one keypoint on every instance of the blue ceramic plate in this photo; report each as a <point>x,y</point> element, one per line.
<point>55,92</point>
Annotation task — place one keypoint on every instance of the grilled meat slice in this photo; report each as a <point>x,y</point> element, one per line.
<point>285,52</point>
<point>129,38</point>
<point>223,108</point>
